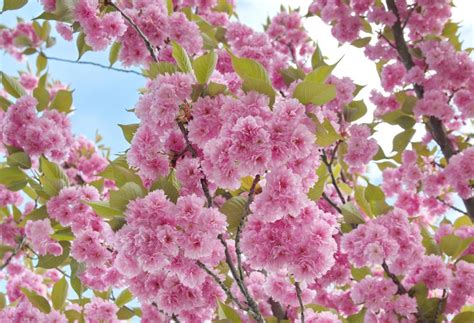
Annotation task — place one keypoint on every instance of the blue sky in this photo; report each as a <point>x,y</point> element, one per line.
<point>101,96</point>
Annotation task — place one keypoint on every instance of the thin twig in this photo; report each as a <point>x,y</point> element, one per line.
<point>93,64</point>
<point>221,284</point>
<point>333,178</point>
<point>145,39</point>
<point>440,306</point>
<point>300,300</point>
<point>400,288</point>
<point>253,307</point>
<point>451,206</point>
<point>190,148</point>
<point>14,253</point>
<point>409,15</point>
<point>334,205</point>
<point>241,226</point>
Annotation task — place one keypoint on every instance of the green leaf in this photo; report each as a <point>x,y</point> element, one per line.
<point>311,92</point>
<point>360,273</point>
<point>37,301</point>
<point>169,7</point>
<point>357,318</point>
<point>224,311</point>
<point>76,284</point>
<point>317,58</point>
<point>62,101</point>
<point>13,178</point>
<point>204,67</point>
<point>129,130</point>
<point>4,103</point>
<point>321,73</point>
<point>292,74</point>
<point>119,171</point>
<point>120,199</point>
<point>453,245</point>
<point>181,57</point>
<point>41,62</point>
<point>359,195</point>
<point>3,301</point>
<point>169,184</point>
<point>37,214</point>
<point>114,53</point>
<point>351,214</point>
<point>124,297</point>
<point>82,47</point>
<point>12,86</point>
<point>254,75</point>
<point>354,111</point>
<point>401,141</point>
<point>124,313</point>
<point>42,96</point>
<point>50,261</point>
<point>234,210</point>
<point>326,135</point>
<point>361,42</point>
<point>13,4</point>
<point>52,170</point>
<point>462,221</point>
<point>315,192</point>
<point>59,293</point>
<point>160,68</point>
<point>20,159</point>
<point>63,235</point>
<point>103,209</point>
<point>464,317</point>
<point>214,89</point>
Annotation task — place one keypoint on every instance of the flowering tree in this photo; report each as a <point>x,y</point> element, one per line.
<point>244,195</point>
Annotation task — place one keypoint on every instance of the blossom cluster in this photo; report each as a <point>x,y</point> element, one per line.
<point>158,250</point>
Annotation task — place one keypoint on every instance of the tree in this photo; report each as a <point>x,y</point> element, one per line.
<point>244,195</point>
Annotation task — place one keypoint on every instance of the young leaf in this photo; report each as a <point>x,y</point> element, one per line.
<point>130,191</point>
<point>234,209</point>
<point>204,67</point>
<point>13,4</point>
<point>254,75</point>
<point>37,301</point>
<point>59,293</point>
<point>12,86</point>
<point>103,209</point>
<point>181,57</point>
<point>311,92</point>
<point>226,312</point>
<point>13,178</point>
<point>114,53</point>
<point>62,101</point>
<point>124,297</point>
<point>129,130</point>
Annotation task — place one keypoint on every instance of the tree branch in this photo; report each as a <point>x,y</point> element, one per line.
<point>253,307</point>
<point>333,178</point>
<point>147,42</point>
<point>221,284</point>
<point>190,148</point>
<point>93,64</point>
<point>300,300</point>
<point>14,253</point>
<point>241,226</point>
<point>434,125</point>
<point>401,289</point>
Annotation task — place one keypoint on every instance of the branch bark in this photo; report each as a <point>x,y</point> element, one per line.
<point>434,125</point>
<point>300,300</point>
<point>145,39</point>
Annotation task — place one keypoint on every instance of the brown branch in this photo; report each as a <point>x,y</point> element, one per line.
<point>334,205</point>
<point>433,124</point>
<point>333,178</point>
<point>441,305</point>
<point>277,310</point>
<point>253,307</point>
<point>93,64</point>
<point>300,300</point>
<point>400,288</point>
<point>190,148</point>
<point>241,226</point>
<point>451,206</point>
<point>221,284</point>
<point>14,253</point>
<point>145,39</point>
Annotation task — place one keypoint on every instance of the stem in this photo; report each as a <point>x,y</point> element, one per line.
<point>190,148</point>
<point>93,64</point>
<point>333,178</point>
<point>221,284</point>
<point>441,304</point>
<point>300,300</point>
<point>401,289</point>
<point>451,206</point>
<point>137,29</point>
<point>277,310</point>
<point>434,125</point>
<point>14,253</point>
<point>334,205</point>
<point>253,307</point>
<point>241,226</point>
